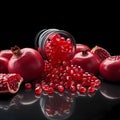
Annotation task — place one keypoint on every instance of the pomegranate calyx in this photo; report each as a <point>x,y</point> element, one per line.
<point>84,52</point>
<point>16,50</point>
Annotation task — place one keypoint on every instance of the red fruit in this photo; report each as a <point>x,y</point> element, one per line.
<point>110,69</point>
<point>87,60</point>
<point>80,47</point>
<point>3,65</point>
<point>10,83</point>
<point>27,62</point>
<point>6,53</point>
<point>101,52</point>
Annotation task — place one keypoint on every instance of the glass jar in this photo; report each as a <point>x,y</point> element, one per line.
<point>46,34</point>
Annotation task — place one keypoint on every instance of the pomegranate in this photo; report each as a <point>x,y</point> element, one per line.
<point>87,60</point>
<point>110,68</point>
<point>10,83</point>
<point>101,52</point>
<point>6,53</point>
<point>27,62</point>
<point>3,65</point>
<point>80,47</point>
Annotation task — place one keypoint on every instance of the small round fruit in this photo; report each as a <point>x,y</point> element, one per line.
<point>87,60</point>
<point>3,65</point>
<point>80,47</point>
<point>110,69</point>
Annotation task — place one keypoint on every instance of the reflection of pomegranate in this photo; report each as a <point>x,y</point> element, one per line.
<point>110,90</point>
<point>8,102</point>
<point>57,106</point>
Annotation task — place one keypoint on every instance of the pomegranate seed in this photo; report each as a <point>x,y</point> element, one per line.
<point>45,87</point>
<point>91,89</point>
<point>60,88</point>
<point>50,90</point>
<point>38,90</point>
<point>82,89</point>
<point>97,82</point>
<point>73,89</point>
<point>28,85</point>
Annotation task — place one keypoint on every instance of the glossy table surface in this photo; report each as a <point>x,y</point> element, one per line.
<point>104,104</point>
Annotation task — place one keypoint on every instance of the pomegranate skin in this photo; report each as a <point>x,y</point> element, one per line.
<point>89,62</point>
<point>29,64</point>
<point>6,53</point>
<point>80,47</point>
<point>110,69</point>
<point>3,65</point>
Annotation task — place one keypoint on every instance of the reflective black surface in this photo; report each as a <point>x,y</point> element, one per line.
<point>104,104</point>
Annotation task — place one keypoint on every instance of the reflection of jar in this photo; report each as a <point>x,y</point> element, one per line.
<point>44,37</point>
<point>57,107</point>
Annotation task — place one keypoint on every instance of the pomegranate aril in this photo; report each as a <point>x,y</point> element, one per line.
<point>91,89</point>
<point>50,90</point>
<point>82,89</point>
<point>60,88</point>
<point>45,87</point>
<point>28,85</point>
<point>73,89</point>
<point>38,90</point>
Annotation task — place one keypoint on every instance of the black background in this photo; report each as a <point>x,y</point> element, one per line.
<point>90,24</point>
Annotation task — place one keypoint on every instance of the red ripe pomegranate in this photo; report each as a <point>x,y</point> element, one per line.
<point>101,52</point>
<point>80,47</point>
<point>110,69</point>
<point>6,53</point>
<point>10,83</point>
<point>3,65</point>
<point>87,60</point>
<point>27,62</point>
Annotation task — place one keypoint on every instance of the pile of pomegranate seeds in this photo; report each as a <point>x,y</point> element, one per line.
<point>60,74</point>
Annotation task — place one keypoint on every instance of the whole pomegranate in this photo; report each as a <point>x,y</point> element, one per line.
<point>7,53</point>
<point>27,62</point>
<point>80,47</point>
<point>87,60</point>
<point>110,69</point>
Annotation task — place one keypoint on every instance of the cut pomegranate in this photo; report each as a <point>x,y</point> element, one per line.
<point>10,83</point>
<point>101,52</point>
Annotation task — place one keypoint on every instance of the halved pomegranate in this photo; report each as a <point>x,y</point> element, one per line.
<point>101,52</point>
<point>10,83</point>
